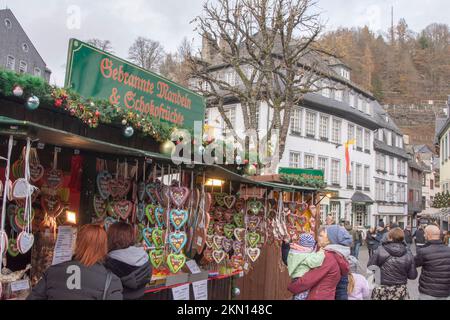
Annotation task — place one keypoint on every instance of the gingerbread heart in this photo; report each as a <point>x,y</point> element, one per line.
<point>147,236</point>
<point>150,213</point>
<point>237,261</point>
<point>254,206</point>
<point>158,237</point>
<point>21,189</point>
<point>54,178</point>
<point>207,254</point>
<point>218,256</point>
<point>160,216</point>
<point>228,215</point>
<point>217,241</point>
<point>177,241</point>
<point>25,241</point>
<point>100,206</point>
<point>36,172</point>
<point>253,253</point>
<point>253,222</point>
<point>103,184</point>
<point>156,258</point>
<point>209,240</point>
<point>13,251</point>
<point>179,196</point>
<point>178,218</point>
<point>227,245</point>
<point>253,239</point>
<point>219,198</point>
<point>21,216</point>
<point>218,214</point>
<point>123,209</point>
<point>238,247</point>
<point>152,190</point>
<point>175,262</point>
<point>228,230</point>
<point>51,205</point>
<point>229,201</point>
<point>239,234</point>
<point>218,228</point>
<point>238,219</point>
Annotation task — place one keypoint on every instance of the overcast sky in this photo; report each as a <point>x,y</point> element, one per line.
<point>168,21</point>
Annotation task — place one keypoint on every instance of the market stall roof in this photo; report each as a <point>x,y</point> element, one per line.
<point>359,197</point>
<point>61,138</point>
<point>285,187</point>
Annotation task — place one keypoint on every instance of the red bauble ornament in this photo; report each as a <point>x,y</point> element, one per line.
<point>245,161</point>
<point>97,113</point>
<point>58,103</point>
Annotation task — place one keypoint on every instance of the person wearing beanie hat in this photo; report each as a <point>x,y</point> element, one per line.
<point>302,258</point>
<point>339,235</point>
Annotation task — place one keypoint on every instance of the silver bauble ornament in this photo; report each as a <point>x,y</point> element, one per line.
<point>128,132</point>
<point>32,103</point>
<point>124,122</point>
<point>236,291</point>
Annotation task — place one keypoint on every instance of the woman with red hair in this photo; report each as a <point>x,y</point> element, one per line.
<point>84,277</point>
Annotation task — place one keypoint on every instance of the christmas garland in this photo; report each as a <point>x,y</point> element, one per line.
<point>301,181</point>
<point>91,111</point>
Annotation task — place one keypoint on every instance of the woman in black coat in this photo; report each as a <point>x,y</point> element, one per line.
<point>372,243</point>
<point>130,263</point>
<point>396,265</point>
<point>84,277</point>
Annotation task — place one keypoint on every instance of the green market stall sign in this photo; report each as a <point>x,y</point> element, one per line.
<point>97,74</point>
<point>302,177</point>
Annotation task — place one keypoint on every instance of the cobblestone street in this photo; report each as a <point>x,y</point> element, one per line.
<point>413,285</point>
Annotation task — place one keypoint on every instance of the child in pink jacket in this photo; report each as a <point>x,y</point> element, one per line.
<point>358,287</point>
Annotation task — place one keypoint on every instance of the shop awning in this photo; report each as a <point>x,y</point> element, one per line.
<point>286,187</point>
<point>61,138</point>
<point>359,197</point>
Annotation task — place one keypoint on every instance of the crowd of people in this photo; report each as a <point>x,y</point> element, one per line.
<point>330,270</point>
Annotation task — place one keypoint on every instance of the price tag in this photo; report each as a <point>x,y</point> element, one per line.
<point>57,149</point>
<point>181,292</point>
<point>20,285</point>
<point>200,290</point>
<point>193,266</point>
<point>76,152</point>
<point>41,146</point>
<point>199,241</point>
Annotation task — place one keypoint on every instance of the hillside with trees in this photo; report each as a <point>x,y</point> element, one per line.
<point>400,67</point>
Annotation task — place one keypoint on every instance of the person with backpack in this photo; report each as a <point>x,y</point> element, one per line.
<point>419,237</point>
<point>84,277</point>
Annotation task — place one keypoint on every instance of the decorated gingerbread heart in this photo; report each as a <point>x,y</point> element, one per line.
<point>254,206</point>
<point>178,218</point>
<point>237,261</point>
<point>147,236</point>
<point>25,241</point>
<point>238,219</point>
<point>239,205</point>
<point>253,253</point>
<point>227,245</point>
<point>13,251</point>
<point>177,241</point>
<point>238,247</point>
<point>54,178</point>
<point>218,256</point>
<point>228,230</point>
<point>228,215</point>
<point>103,184</point>
<point>207,254</point>
<point>158,237</point>
<point>36,172</point>
<point>175,262</point>
<point>217,241</point>
<point>253,222</point>
<point>229,201</point>
<point>179,196</point>
<point>150,213</point>
<point>209,240</point>
<point>156,258</point>
<point>253,239</point>
<point>160,216</point>
<point>239,234</point>
<point>100,206</point>
<point>219,198</point>
<point>123,209</point>
<point>152,190</point>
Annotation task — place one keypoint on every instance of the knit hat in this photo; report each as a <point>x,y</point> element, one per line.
<point>307,240</point>
<point>381,224</point>
<point>338,235</point>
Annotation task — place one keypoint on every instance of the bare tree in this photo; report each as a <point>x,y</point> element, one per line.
<point>104,45</point>
<point>146,53</point>
<point>271,46</point>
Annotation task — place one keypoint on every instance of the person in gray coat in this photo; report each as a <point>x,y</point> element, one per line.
<point>83,278</point>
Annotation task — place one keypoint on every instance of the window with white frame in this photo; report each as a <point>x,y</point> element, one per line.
<point>326,91</point>
<point>339,95</point>
<point>323,127</point>
<point>322,164</point>
<point>336,131</point>
<point>351,99</point>
<point>391,193</point>
<point>366,140</point>
<point>323,213</point>
<point>351,133</point>
<point>294,159</point>
<point>23,67</point>
<point>335,210</point>
<point>366,177</point>
<point>377,190</point>
<point>383,191</point>
<point>37,72</point>
<point>391,165</point>
<point>360,104</point>
<point>309,161</point>
<point>230,77</point>
<point>296,120</point>
<point>335,171</point>
<point>350,176</point>
<point>359,138</point>
<point>10,63</point>
<point>310,123</point>
<point>359,175</point>
<point>369,108</point>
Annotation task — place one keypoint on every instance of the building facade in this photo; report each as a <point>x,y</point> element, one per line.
<point>391,172</point>
<point>415,181</point>
<point>17,52</point>
<point>319,129</point>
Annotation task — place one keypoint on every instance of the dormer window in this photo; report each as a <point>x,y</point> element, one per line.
<point>25,47</point>
<point>8,24</point>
